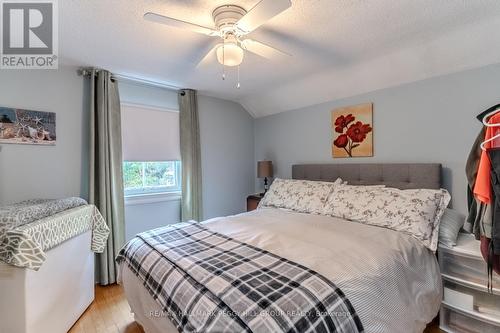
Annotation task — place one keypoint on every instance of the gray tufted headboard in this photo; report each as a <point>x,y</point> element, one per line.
<point>399,175</point>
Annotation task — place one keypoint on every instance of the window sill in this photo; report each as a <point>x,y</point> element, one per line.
<point>141,199</point>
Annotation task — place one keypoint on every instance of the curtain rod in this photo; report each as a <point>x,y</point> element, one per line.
<point>120,77</point>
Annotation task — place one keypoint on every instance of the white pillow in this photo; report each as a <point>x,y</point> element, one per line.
<point>305,196</point>
<point>415,212</point>
<point>449,228</point>
<point>328,209</point>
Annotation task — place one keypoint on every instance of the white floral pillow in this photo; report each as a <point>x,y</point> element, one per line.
<point>416,212</point>
<point>303,196</point>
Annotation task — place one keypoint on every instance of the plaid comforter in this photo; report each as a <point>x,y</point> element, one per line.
<point>208,282</point>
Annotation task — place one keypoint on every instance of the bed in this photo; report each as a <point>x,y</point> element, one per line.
<point>47,270</point>
<point>391,280</point>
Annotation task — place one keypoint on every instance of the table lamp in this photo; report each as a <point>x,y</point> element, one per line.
<point>264,170</point>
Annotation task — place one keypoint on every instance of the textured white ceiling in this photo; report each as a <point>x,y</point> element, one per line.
<point>340,48</point>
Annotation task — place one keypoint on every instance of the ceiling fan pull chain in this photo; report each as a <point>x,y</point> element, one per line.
<point>238,85</point>
<point>223,60</point>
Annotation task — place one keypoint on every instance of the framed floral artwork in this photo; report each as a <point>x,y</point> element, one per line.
<point>353,131</point>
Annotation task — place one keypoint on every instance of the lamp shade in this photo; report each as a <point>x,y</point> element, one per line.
<point>264,169</point>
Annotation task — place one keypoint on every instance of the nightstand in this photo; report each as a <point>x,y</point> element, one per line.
<point>253,201</point>
<point>467,306</point>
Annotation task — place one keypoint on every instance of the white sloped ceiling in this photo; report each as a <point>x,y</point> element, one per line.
<point>340,48</point>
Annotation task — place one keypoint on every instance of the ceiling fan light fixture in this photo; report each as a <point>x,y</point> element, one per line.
<point>232,23</point>
<point>230,54</point>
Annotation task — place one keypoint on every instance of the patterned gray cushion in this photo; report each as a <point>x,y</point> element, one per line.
<point>30,228</point>
<point>415,212</point>
<point>34,209</point>
<point>19,214</point>
<point>449,228</point>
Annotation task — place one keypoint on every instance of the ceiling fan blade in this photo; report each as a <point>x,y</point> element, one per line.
<point>262,49</point>
<point>261,13</point>
<point>180,24</point>
<point>209,57</point>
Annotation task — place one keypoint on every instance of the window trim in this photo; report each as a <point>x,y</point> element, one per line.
<point>142,199</point>
<point>149,107</point>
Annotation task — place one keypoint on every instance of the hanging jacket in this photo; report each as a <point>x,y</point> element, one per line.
<point>494,155</point>
<point>478,211</point>
<point>490,248</point>
<point>487,191</point>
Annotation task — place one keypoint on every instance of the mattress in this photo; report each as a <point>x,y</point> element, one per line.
<point>392,281</point>
<point>25,245</point>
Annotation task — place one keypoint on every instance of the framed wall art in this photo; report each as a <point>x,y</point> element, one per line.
<point>27,127</point>
<point>353,131</point>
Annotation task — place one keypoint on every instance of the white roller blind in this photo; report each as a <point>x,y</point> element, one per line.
<point>150,134</point>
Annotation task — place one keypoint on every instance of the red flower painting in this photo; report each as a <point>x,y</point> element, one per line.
<point>352,134</point>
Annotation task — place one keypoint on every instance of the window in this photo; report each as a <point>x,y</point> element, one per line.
<point>151,151</point>
<point>151,177</point>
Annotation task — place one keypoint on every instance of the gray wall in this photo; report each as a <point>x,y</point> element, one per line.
<point>227,157</point>
<point>28,171</point>
<point>427,121</point>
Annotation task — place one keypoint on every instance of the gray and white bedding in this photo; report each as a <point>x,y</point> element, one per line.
<point>391,280</point>
<point>208,282</point>
<point>30,228</point>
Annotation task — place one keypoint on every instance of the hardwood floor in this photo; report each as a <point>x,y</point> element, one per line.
<point>110,313</point>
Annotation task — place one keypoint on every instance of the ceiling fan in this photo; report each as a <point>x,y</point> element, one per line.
<point>232,23</point>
